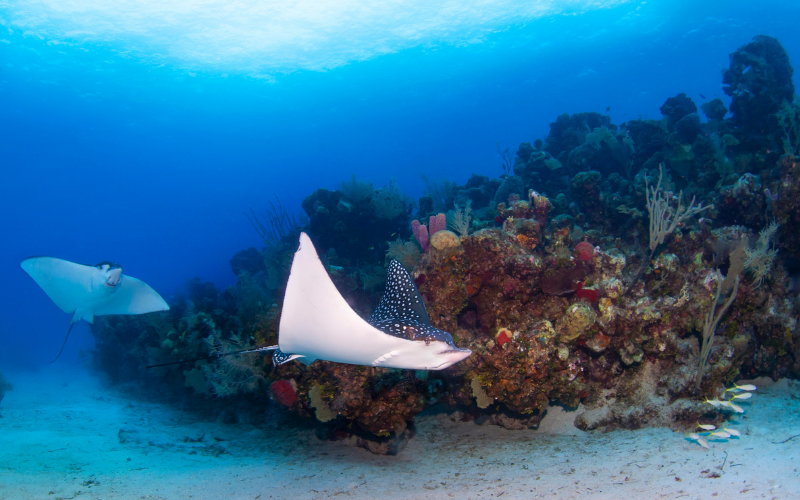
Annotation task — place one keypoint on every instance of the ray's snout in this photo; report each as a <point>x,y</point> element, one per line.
<point>113,276</point>
<point>453,356</point>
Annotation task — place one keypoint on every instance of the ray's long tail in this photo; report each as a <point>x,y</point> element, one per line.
<point>71,323</point>
<point>216,356</point>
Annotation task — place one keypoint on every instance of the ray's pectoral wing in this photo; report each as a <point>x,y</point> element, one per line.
<point>87,291</point>
<point>68,284</point>
<point>316,321</point>
<point>132,296</point>
<point>281,358</point>
<point>401,299</point>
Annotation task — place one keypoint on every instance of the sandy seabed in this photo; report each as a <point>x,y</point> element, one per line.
<point>63,435</point>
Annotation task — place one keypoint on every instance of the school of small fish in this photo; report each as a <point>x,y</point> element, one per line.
<point>709,431</point>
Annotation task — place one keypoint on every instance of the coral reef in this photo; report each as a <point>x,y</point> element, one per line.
<point>249,260</point>
<point>576,277</point>
<point>357,220</point>
<point>759,82</point>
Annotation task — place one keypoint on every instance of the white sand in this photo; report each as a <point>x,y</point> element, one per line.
<point>64,442</point>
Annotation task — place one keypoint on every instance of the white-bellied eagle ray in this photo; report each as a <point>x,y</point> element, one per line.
<point>89,291</point>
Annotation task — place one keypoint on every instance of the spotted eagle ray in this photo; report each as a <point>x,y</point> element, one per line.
<point>317,323</point>
<point>89,291</point>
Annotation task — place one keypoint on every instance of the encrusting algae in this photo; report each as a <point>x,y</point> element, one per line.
<point>323,411</point>
<point>481,398</point>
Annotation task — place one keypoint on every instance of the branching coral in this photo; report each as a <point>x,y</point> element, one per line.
<point>406,252</point>
<point>664,219</point>
<point>372,277</point>
<point>710,323</point>
<point>388,202</point>
<point>442,192</point>
<point>356,191</point>
<point>234,374</point>
<point>460,219</point>
<point>759,259</point>
<point>789,120</point>
<point>274,224</point>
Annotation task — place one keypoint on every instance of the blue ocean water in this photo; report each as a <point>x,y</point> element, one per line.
<point>140,132</point>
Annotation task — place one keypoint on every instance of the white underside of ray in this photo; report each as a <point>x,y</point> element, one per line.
<point>82,290</point>
<point>318,323</point>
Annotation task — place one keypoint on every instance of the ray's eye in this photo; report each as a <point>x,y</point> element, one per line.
<point>427,341</point>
